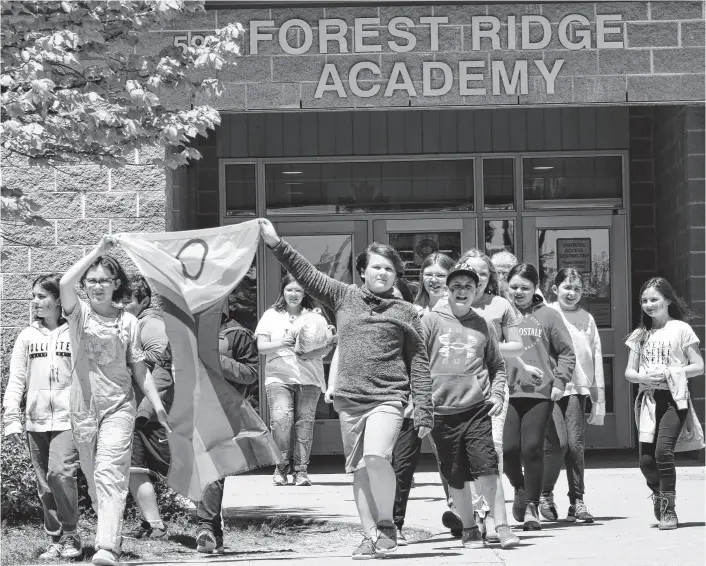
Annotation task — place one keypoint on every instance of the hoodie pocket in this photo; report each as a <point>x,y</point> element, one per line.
<point>455,391</point>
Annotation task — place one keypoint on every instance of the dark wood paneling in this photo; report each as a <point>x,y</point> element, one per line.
<point>413,132</point>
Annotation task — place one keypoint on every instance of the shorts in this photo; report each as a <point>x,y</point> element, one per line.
<point>150,449</point>
<point>368,429</point>
<point>464,442</point>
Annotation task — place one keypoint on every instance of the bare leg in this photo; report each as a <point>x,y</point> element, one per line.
<point>143,492</point>
<point>464,504</point>
<point>382,481</point>
<point>367,511</point>
<point>492,489</point>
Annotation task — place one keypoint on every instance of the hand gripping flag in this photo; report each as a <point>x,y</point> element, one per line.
<point>216,432</point>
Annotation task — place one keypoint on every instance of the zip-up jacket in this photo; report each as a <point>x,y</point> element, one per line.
<point>464,357</point>
<point>158,359</point>
<point>41,367</point>
<point>548,346</point>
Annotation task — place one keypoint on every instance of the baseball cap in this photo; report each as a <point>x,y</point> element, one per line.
<point>462,269</point>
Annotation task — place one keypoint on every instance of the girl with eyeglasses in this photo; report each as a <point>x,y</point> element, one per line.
<point>106,358</point>
<point>432,282</point>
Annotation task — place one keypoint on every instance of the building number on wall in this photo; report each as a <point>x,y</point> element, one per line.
<point>189,40</point>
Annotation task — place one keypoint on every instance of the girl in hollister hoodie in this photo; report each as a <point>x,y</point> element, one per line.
<point>41,367</point>
<point>548,349</point>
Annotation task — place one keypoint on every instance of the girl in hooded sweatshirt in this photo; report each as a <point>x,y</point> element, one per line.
<point>41,367</point>
<point>107,357</point>
<point>548,347</point>
<point>664,354</point>
<point>567,433</point>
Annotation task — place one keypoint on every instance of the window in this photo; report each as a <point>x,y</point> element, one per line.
<point>573,181</point>
<point>240,189</point>
<point>499,184</point>
<point>375,186</point>
<point>499,236</point>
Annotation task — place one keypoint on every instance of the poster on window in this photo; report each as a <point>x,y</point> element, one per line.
<point>575,253</point>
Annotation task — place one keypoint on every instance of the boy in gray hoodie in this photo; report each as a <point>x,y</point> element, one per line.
<point>468,387</point>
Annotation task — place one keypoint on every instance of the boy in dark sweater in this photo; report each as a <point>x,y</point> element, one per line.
<point>468,387</point>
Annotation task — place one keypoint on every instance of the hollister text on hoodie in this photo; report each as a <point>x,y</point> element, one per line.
<point>465,362</point>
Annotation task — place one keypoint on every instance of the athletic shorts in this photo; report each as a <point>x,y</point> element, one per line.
<point>368,430</point>
<point>464,442</point>
<point>150,449</point>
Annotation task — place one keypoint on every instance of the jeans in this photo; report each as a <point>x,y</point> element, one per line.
<point>104,452</point>
<point>208,510</point>
<point>565,442</point>
<point>55,461</point>
<point>523,443</point>
<point>293,409</point>
<point>657,458</point>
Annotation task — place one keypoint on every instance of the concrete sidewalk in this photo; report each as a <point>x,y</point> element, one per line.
<point>624,534</point>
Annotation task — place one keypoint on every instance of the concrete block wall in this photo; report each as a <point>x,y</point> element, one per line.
<point>80,204</point>
<point>679,211</point>
<point>662,61</point>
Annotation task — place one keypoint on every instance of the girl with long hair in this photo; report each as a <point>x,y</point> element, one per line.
<point>382,360</point>
<point>432,281</point>
<point>567,433</point>
<point>664,354</point>
<point>547,346</point>
<point>106,357</point>
<point>40,367</point>
<point>293,384</point>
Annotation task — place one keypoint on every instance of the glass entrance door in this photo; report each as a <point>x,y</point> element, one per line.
<point>332,248</point>
<point>598,249</point>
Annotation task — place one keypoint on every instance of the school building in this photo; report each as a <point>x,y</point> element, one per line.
<point>570,134</point>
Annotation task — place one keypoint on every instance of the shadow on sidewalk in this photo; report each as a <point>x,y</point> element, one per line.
<point>268,511</point>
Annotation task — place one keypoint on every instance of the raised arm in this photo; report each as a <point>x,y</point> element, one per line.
<point>318,285</point>
<point>69,297</point>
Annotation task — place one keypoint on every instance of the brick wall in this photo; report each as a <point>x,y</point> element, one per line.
<point>679,218</point>
<point>662,59</point>
<point>80,204</point>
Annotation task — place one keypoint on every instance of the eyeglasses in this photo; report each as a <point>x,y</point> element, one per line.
<point>439,276</point>
<point>101,282</point>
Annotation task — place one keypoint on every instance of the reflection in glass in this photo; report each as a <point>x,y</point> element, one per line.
<point>572,178</point>
<point>587,250</point>
<point>350,187</point>
<point>240,189</point>
<point>415,247</point>
<point>499,236</point>
<point>242,308</point>
<point>499,184</point>
<point>333,255</point>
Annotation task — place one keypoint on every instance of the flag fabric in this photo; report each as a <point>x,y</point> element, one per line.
<point>216,431</point>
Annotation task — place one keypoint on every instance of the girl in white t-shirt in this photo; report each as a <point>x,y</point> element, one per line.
<point>664,353</point>
<point>293,384</point>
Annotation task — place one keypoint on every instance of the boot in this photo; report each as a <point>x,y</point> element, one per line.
<point>668,519</point>
<point>656,502</point>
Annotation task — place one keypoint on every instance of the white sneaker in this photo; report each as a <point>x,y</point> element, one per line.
<point>51,553</point>
<point>105,558</point>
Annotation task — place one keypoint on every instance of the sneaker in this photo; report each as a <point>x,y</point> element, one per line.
<point>547,508</point>
<point>146,530</point>
<point>53,552</point>
<point>71,546</point>
<point>401,539</point>
<point>387,538</point>
<point>491,534</point>
<point>279,477</point>
<point>452,522</point>
<point>579,512</point>
<point>105,557</point>
<point>207,542</point>
<point>301,478</point>
<point>531,518</point>
<point>365,550</point>
<point>519,505</point>
<point>472,538</point>
<point>506,537</point>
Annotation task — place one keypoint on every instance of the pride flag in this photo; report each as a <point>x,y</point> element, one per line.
<point>216,432</point>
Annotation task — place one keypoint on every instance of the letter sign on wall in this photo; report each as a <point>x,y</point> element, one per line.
<point>574,252</point>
